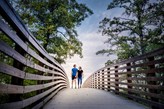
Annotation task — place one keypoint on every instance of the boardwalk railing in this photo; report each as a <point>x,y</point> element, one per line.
<point>140,78</point>
<point>33,76</point>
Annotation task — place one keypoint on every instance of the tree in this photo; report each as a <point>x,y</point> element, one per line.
<point>53,22</point>
<point>139,28</point>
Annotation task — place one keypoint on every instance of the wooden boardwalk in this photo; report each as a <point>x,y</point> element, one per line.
<point>87,98</point>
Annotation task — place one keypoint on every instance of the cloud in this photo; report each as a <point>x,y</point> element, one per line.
<point>92,42</point>
<point>117,12</point>
<point>91,39</point>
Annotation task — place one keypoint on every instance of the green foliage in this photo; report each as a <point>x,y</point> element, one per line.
<point>137,31</point>
<point>53,22</point>
<point>4,78</point>
<point>5,59</point>
<point>4,98</point>
<point>7,40</point>
<point>109,62</point>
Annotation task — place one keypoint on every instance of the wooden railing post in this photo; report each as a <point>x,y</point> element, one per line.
<point>95,81</point>
<point>129,81</point>
<point>98,80</point>
<point>40,73</point>
<point>89,82</point>
<point>108,80</point>
<point>152,82</point>
<point>116,80</point>
<point>92,81</point>
<point>53,75</point>
<point>31,65</point>
<point>15,80</point>
<point>102,80</point>
<point>93,78</point>
<point>136,78</point>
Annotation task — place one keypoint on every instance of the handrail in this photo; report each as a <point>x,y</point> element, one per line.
<point>29,61</point>
<point>140,78</point>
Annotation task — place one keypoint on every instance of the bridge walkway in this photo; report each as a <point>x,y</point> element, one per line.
<point>88,98</point>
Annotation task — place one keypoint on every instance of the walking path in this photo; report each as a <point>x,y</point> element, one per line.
<point>87,98</point>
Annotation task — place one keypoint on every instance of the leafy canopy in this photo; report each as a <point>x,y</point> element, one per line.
<point>137,30</point>
<point>53,22</point>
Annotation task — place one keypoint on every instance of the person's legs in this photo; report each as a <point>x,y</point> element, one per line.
<point>75,82</point>
<point>81,82</point>
<point>72,82</point>
<point>78,82</point>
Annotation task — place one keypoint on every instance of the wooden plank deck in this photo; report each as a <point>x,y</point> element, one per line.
<point>87,98</point>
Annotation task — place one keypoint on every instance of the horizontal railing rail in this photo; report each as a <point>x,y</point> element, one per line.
<point>140,78</point>
<point>29,76</point>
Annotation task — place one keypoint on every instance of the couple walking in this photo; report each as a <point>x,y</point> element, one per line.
<point>77,73</point>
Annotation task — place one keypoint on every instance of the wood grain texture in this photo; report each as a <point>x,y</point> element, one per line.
<point>27,53</point>
<point>141,75</point>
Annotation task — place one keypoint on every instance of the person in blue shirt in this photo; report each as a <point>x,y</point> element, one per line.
<point>74,72</point>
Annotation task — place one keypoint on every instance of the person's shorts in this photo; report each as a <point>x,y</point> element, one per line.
<point>73,77</point>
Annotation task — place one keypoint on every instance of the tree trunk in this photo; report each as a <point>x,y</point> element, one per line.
<point>140,28</point>
<point>47,41</point>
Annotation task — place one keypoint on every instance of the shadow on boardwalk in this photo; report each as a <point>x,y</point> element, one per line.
<point>86,98</point>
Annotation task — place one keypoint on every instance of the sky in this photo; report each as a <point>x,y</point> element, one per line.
<point>92,40</point>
